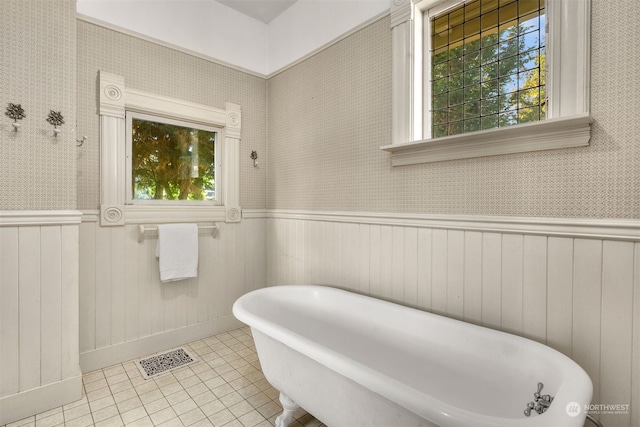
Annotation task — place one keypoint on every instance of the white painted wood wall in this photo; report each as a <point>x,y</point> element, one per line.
<point>575,287</point>
<point>126,312</point>
<point>39,358</point>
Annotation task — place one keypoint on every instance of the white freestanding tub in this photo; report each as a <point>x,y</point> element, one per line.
<point>351,360</point>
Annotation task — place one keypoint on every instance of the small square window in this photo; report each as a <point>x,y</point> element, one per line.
<point>170,160</point>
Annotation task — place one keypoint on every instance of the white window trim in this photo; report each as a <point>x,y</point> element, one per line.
<point>568,123</point>
<point>115,100</point>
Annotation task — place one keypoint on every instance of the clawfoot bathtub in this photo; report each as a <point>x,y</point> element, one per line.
<point>352,360</point>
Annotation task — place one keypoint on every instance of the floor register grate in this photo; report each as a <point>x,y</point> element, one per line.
<point>161,363</point>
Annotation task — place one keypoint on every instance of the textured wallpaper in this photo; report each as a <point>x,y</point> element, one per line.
<point>154,68</point>
<point>37,71</point>
<point>329,114</point>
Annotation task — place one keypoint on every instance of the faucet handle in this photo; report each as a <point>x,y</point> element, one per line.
<point>530,406</point>
<point>540,387</point>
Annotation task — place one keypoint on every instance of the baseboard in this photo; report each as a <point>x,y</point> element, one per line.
<point>118,353</point>
<point>40,399</point>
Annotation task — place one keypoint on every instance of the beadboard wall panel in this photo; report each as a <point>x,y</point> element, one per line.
<point>573,293</point>
<point>125,309</point>
<point>39,360</point>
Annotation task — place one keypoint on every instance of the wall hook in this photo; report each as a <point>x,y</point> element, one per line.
<point>16,113</point>
<point>81,141</point>
<point>254,157</point>
<point>56,119</point>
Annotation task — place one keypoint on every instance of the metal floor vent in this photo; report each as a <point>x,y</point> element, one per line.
<point>160,363</point>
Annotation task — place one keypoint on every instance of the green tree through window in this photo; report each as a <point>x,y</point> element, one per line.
<point>171,162</point>
<point>488,66</point>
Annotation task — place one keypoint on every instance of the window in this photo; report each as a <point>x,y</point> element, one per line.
<point>170,160</point>
<point>486,77</point>
<point>182,153</point>
<point>487,65</point>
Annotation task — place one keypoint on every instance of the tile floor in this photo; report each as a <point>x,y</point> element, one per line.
<point>224,388</point>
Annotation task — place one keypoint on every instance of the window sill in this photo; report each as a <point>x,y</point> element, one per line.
<point>564,132</point>
<point>163,214</point>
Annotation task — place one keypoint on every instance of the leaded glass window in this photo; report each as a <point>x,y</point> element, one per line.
<point>487,66</point>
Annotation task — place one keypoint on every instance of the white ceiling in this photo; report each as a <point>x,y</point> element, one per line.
<point>237,39</point>
<point>262,10</point>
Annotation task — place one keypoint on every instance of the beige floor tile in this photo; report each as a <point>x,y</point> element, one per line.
<point>251,418</point>
<point>181,374</point>
<point>163,416</point>
<point>147,387</point>
<point>23,422</point>
<point>190,381</point>
<point>111,422</point>
<point>175,422</point>
<point>203,423</point>
<point>156,405</point>
<point>104,413</point>
<point>142,422</point>
<point>231,399</point>
<point>197,389</point>
<point>95,385</point>
<point>72,405</point>
<point>184,406</point>
<point>113,370</point>
<point>133,414</point>
<point>177,397</point>
<point>117,378</point>
<point>98,394</point>
<point>221,418</point>
<point>192,417</point>
<point>129,404</point>
<point>92,376</point>
<point>225,388</point>
<point>50,420</point>
<point>240,408</point>
<point>76,412</point>
<point>212,408</point>
<point>270,409</point>
<point>205,397</point>
<point>171,388</point>
<point>121,386</point>
<point>125,395</point>
<point>165,379</point>
<point>151,396</point>
<point>83,421</point>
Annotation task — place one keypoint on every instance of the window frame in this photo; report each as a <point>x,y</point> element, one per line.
<point>115,99</point>
<point>568,73</point>
<point>130,200</point>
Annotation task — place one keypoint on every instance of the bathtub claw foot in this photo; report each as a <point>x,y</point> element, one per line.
<point>289,406</point>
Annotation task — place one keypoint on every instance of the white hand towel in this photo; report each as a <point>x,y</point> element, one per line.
<point>178,251</point>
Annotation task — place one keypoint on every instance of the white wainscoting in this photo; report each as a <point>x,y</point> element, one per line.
<point>571,284</point>
<point>39,359</point>
<point>126,312</point>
